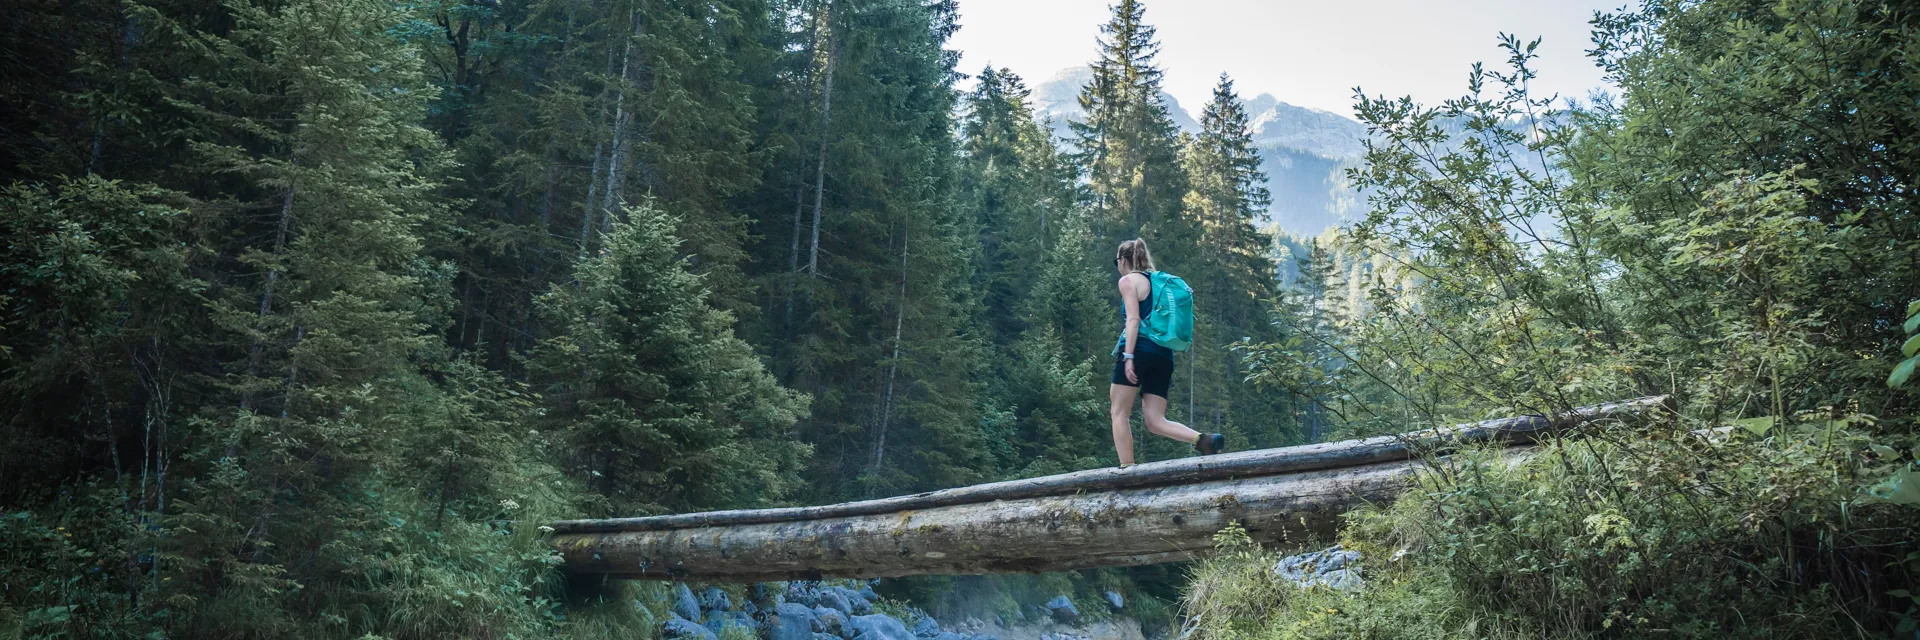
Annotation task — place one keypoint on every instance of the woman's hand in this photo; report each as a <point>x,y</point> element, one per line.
<point>1131,376</point>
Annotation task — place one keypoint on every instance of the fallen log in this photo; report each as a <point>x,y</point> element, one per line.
<point>1150,513</point>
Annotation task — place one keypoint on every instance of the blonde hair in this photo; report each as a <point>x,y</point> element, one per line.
<point>1134,253</point>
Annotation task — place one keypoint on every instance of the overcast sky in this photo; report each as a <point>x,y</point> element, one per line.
<point>1306,52</point>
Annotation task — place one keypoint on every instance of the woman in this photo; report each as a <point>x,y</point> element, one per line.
<point>1143,367</point>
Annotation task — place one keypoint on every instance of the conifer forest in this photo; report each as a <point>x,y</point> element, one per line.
<point>313,313</point>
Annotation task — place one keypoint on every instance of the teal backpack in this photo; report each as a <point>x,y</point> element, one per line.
<point>1171,323</point>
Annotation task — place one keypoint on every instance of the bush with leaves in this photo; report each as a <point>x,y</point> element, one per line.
<point>1679,529</point>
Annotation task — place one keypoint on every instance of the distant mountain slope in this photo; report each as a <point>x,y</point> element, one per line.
<point>1059,98</point>
<point>1322,133</point>
<point>1304,151</point>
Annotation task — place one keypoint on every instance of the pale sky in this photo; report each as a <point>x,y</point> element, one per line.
<point>1305,52</point>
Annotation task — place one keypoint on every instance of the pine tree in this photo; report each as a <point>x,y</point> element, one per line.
<point>574,109</point>
<point>1235,274</point>
<point>1045,411</point>
<point>1128,144</point>
<point>1019,190</point>
<point>662,407</point>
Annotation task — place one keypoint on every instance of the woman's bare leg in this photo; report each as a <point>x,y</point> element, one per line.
<point>1154,408</point>
<point>1122,414</point>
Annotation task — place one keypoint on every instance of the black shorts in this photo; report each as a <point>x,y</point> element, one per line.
<point>1155,371</point>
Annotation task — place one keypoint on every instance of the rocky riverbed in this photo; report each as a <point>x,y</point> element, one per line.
<point>823,611</point>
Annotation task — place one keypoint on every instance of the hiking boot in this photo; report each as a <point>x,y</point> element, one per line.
<point>1211,443</point>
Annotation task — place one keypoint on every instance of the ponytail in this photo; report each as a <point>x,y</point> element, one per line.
<point>1134,254</point>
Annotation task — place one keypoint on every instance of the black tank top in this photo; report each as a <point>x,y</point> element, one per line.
<point>1142,345</point>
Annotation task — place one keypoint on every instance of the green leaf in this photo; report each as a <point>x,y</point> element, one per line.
<point>1759,426</point>
<point>1913,309</point>
<point>1902,373</point>
<point>1902,488</point>
<point>1912,345</point>
<point>1913,324</point>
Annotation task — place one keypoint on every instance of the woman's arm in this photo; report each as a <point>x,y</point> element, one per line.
<point>1130,298</point>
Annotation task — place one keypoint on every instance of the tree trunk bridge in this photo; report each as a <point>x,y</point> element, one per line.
<point>1150,513</point>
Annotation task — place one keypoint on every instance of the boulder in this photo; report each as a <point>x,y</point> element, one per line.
<point>877,627</point>
<point>679,628</point>
<point>1347,579</point>
<point>1332,567</point>
<point>715,600</point>
<point>858,604</point>
<point>805,592</point>
<point>927,627</point>
<point>684,604</point>
<point>792,621</point>
<point>718,621</point>
<point>1063,610</point>
<point>1114,601</point>
<point>831,620</point>
<point>833,599</point>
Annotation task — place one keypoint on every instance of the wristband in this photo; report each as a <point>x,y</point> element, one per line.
<point>1128,356</point>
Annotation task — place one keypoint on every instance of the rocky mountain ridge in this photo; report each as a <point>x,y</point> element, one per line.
<point>1304,151</point>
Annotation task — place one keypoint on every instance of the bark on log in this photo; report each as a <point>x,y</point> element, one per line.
<point>1049,533</point>
<point>1150,513</point>
<point>1240,464</point>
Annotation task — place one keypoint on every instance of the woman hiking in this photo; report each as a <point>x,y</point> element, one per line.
<point>1142,366</point>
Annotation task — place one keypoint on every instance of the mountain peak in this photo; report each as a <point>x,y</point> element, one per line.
<point>1302,149</point>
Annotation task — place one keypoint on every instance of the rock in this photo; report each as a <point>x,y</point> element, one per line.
<point>927,627</point>
<point>949,635</point>
<point>679,628</point>
<point>1329,567</point>
<point>1063,610</point>
<point>831,621</point>
<point>858,604</point>
<point>825,636</point>
<point>1347,579</point>
<point>792,621</point>
<point>715,600</point>
<point>805,592</point>
<point>877,627</point>
<point>1114,601</point>
<point>718,621</point>
<point>684,603</point>
<point>833,599</point>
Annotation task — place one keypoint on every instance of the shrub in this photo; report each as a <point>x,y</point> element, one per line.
<point>1757,529</point>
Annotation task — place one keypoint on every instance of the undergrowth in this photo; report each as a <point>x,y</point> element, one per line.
<point>1677,531</point>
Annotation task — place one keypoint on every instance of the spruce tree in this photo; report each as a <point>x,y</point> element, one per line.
<point>1046,322</point>
<point>1127,143</point>
<point>1226,199</point>
<point>661,406</point>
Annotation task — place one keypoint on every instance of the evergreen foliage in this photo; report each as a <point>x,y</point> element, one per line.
<point>661,408</point>
<point>1127,143</point>
<point>1721,232</point>
<point>316,310</point>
